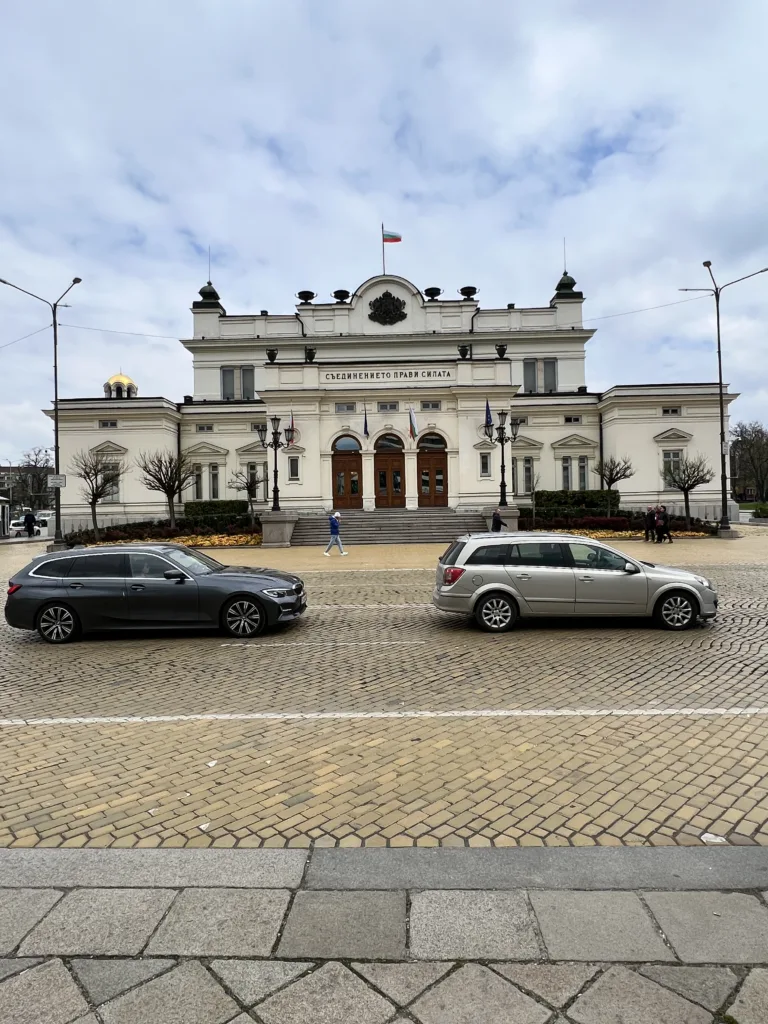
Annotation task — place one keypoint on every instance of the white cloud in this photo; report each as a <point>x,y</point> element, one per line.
<point>282,134</point>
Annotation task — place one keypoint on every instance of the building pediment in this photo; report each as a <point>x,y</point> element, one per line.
<point>253,448</point>
<point>526,442</point>
<point>574,441</point>
<point>485,446</point>
<point>206,448</point>
<point>673,436</point>
<point>109,448</point>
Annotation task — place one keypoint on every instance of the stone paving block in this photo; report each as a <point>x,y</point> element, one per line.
<point>597,926</point>
<point>105,979</point>
<point>43,995</point>
<point>186,995</point>
<point>751,1004</point>
<point>402,982</point>
<point>332,995</point>
<point>557,983</point>
<point>20,910</point>
<point>222,922</point>
<point>15,965</point>
<point>713,927</point>
<point>332,925</point>
<point>456,925</point>
<point>253,980</point>
<point>622,997</point>
<point>709,986</point>
<point>475,995</point>
<point>99,922</point>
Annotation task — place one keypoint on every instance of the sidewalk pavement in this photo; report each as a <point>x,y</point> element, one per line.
<point>626,936</point>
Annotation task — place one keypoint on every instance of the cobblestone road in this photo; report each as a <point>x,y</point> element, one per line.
<point>557,734</point>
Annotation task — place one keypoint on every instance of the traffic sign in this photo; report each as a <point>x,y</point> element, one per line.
<point>57,480</point>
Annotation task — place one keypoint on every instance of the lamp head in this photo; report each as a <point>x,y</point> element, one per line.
<point>76,280</point>
<point>275,421</point>
<point>707,263</point>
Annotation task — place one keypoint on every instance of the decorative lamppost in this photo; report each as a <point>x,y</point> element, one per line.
<point>275,444</point>
<point>503,437</point>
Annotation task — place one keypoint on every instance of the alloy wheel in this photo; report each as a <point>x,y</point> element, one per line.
<point>677,611</point>
<point>57,624</point>
<point>496,613</point>
<point>244,618</point>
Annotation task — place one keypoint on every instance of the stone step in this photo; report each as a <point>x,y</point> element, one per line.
<point>390,526</point>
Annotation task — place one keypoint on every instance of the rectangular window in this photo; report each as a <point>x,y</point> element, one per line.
<point>293,467</point>
<point>98,567</point>
<point>550,375</point>
<point>198,483</point>
<point>214,481</point>
<point>485,463</point>
<point>671,462</point>
<point>583,467</point>
<point>671,410</point>
<point>227,383</point>
<point>254,426</point>
<point>431,406</point>
<point>346,407</point>
<point>522,420</point>
<point>527,474</point>
<point>513,467</point>
<point>566,473</point>
<point>573,419</point>
<point>113,494</point>
<point>543,553</point>
<point>529,375</point>
<point>107,424</point>
<point>204,428</point>
<point>265,480</point>
<point>246,383</point>
<point>388,406</point>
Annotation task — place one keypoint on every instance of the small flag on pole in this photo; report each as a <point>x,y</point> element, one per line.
<point>390,236</point>
<point>488,416</point>
<point>414,430</point>
<point>365,422</point>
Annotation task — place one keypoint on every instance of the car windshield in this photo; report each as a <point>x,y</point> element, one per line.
<point>194,562</point>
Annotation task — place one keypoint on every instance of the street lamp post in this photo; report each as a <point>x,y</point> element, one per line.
<point>275,444</point>
<point>715,290</point>
<point>53,306</point>
<point>503,437</point>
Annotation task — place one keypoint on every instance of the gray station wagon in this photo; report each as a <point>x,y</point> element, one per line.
<point>500,577</point>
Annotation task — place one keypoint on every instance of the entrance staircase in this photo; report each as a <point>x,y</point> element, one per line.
<point>390,526</point>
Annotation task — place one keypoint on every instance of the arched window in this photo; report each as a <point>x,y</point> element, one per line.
<point>131,391</point>
<point>346,444</point>
<point>389,443</point>
<point>118,390</point>
<point>432,443</point>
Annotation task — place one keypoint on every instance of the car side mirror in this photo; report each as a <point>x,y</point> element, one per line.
<point>174,574</point>
<point>631,568</point>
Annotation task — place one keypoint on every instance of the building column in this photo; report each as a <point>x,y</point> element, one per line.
<point>326,481</point>
<point>411,480</point>
<point>455,483</point>
<point>369,482</point>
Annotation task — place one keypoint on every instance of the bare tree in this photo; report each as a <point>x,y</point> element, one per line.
<point>250,482</point>
<point>101,475</point>
<point>749,450</point>
<point>31,480</point>
<point>690,472</point>
<point>613,470</point>
<point>166,472</point>
<point>535,481</point>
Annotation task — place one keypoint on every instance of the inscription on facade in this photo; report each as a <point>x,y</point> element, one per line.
<point>420,374</point>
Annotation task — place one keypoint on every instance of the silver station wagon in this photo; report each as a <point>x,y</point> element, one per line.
<point>498,577</point>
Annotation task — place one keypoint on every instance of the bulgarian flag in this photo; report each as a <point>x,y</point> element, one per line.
<point>390,236</point>
<point>414,430</point>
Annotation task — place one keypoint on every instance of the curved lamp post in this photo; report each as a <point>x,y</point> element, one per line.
<point>503,437</point>
<point>275,444</point>
<point>715,290</point>
<point>53,306</point>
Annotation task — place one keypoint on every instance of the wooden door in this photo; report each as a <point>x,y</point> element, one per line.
<point>433,479</point>
<point>389,474</point>
<point>347,468</point>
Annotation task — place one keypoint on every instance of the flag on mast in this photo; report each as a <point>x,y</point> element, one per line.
<point>488,416</point>
<point>390,236</point>
<point>365,421</point>
<point>414,430</point>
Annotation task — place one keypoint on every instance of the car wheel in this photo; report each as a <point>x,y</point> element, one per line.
<point>496,613</point>
<point>676,611</point>
<point>58,624</point>
<point>243,617</point>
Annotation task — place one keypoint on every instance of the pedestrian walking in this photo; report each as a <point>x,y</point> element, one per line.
<point>497,522</point>
<point>665,519</point>
<point>29,524</point>
<point>650,524</point>
<point>335,541</point>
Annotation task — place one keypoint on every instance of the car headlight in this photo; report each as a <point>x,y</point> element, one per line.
<point>704,582</point>
<point>279,593</point>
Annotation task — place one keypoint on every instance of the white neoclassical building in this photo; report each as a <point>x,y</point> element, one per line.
<point>387,389</point>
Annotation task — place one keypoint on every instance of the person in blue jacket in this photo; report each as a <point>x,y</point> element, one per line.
<point>333,522</point>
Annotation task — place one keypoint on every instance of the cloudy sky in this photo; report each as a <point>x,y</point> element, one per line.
<point>282,132</point>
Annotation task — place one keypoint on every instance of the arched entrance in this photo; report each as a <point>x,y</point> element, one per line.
<point>347,469</point>
<point>389,472</point>
<point>432,471</point>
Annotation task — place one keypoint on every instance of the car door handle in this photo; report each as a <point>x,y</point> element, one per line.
<point>523,576</point>
<point>75,586</point>
<point>586,579</point>
<point>138,586</point>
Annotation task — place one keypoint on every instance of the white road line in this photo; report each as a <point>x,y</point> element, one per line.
<point>331,643</point>
<point>311,716</point>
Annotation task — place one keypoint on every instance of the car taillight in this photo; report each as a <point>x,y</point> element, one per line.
<point>451,575</point>
<point>13,587</point>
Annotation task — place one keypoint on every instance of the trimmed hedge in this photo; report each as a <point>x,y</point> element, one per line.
<point>574,499</point>
<point>196,510</point>
<point>760,512</point>
<point>162,530</point>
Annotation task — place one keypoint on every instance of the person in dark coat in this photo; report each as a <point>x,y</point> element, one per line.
<point>335,541</point>
<point>650,524</point>
<point>30,523</point>
<point>665,520</point>
<point>497,522</point>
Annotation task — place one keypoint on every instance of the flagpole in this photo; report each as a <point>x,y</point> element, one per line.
<point>383,262</point>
